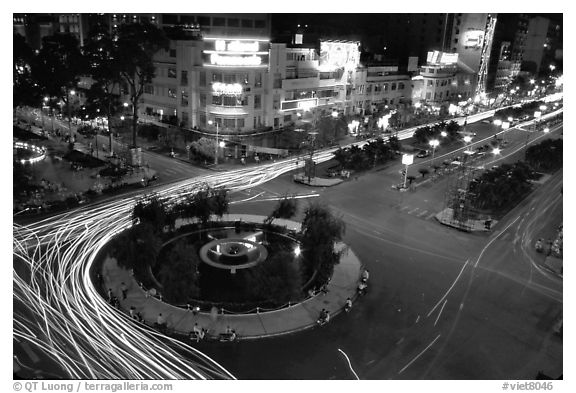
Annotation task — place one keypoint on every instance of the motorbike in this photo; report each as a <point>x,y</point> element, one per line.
<point>539,246</point>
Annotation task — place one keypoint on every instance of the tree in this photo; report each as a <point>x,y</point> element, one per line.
<point>342,155</point>
<point>410,178</point>
<point>394,143</point>
<point>25,90</point>
<point>277,279</point>
<point>205,147</point>
<point>152,211</point>
<point>285,208</point>
<point>423,171</point>
<point>135,48</point>
<point>137,248</point>
<point>319,234</point>
<point>103,99</point>
<point>219,201</point>
<point>179,273</point>
<point>58,66</point>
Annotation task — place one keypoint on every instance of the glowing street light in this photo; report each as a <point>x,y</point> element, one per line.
<point>496,151</point>
<point>444,134</point>
<point>546,130</point>
<point>434,143</point>
<point>532,81</point>
<point>297,251</point>
<point>217,144</point>
<point>497,122</point>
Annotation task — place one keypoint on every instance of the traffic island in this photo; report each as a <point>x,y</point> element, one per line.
<point>258,322</point>
<point>316,181</point>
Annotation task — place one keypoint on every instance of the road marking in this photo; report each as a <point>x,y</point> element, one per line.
<point>420,354</point>
<point>404,208</point>
<point>440,313</point>
<point>449,289</point>
<point>431,215</point>
<point>417,319</point>
<point>413,210</point>
<point>423,213</point>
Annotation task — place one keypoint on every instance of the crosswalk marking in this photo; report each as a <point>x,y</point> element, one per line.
<point>404,208</point>
<point>421,214</point>
<point>413,210</point>
<point>430,216</point>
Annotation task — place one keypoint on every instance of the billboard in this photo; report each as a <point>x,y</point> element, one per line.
<point>238,52</point>
<point>437,57</point>
<point>473,39</point>
<point>338,54</point>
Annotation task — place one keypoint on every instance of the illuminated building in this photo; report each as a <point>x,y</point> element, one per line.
<point>376,87</point>
<point>441,79</point>
<point>215,70</point>
<point>308,79</point>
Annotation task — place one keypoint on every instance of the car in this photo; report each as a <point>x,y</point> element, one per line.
<point>423,153</point>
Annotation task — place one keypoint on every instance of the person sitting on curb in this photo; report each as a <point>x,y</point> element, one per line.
<point>365,275</point>
<point>229,335</point>
<point>348,305</point>
<point>197,333</point>
<point>362,288</point>
<point>324,317</point>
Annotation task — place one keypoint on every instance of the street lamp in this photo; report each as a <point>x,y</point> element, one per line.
<point>546,130</point>
<point>334,116</point>
<point>434,143</point>
<point>444,134</point>
<point>70,93</point>
<point>45,100</point>
<point>217,145</point>
<point>496,151</point>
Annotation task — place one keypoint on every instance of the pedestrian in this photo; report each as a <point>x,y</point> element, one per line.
<point>124,290</point>
<point>132,312</point>
<point>365,275</point>
<point>348,305</point>
<point>110,295</point>
<point>139,316</point>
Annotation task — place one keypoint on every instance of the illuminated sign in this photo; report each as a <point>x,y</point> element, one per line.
<point>217,59</point>
<point>335,54</point>
<point>305,104</point>
<point>227,89</point>
<point>473,39</point>
<point>236,46</point>
<point>437,57</point>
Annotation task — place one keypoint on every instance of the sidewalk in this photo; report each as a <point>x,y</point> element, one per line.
<point>291,319</point>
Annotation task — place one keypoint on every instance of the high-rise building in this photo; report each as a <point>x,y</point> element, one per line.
<point>543,45</point>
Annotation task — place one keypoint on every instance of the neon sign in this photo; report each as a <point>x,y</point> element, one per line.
<point>217,59</point>
<point>236,46</point>
<point>227,89</point>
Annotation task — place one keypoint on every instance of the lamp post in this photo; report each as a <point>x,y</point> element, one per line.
<point>434,143</point>
<point>44,101</point>
<point>70,93</point>
<point>216,152</point>
<point>334,117</point>
<point>537,115</point>
<point>467,140</point>
<point>311,161</point>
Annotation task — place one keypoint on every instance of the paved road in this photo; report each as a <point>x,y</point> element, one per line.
<point>495,323</point>
<point>414,261</point>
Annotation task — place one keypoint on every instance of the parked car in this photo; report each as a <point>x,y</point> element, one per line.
<point>423,153</point>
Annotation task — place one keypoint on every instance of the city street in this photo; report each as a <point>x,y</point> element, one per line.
<point>487,310</point>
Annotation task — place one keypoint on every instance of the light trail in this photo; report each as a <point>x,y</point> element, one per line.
<point>349,364</point>
<point>59,312</point>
